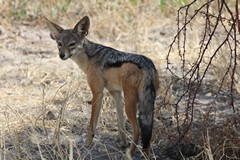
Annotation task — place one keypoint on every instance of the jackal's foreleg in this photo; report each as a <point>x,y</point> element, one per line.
<point>96,106</point>
<point>97,92</point>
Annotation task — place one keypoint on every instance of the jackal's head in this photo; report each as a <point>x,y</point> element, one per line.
<point>69,41</point>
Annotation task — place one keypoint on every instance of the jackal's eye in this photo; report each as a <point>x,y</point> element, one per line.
<point>59,44</point>
<point>72,44</point>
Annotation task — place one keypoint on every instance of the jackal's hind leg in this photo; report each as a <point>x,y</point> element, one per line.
<point>130,97</point>
<point>120,117</point>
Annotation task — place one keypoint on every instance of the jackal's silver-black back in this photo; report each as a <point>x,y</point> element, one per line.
<point>109,57</point>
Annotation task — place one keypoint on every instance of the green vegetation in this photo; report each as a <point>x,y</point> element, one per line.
<point>164,4</point>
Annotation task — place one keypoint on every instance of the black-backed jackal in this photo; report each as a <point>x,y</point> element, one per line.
<point>134,75</point>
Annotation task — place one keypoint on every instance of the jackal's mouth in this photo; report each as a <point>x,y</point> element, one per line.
<point>70,55</point>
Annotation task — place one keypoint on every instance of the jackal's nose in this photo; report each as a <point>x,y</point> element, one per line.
<point>61,55</point>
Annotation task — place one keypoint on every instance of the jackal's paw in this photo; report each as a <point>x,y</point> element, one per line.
<point>87,145</point>
<point>88,142</point>
<point>128,155</point>
<point>124,146</point>
<point>123,143</point>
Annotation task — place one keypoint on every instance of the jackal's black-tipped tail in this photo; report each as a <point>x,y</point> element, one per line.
<point>146,109</point>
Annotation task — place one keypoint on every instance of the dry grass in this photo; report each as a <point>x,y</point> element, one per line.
<point>45,108</point>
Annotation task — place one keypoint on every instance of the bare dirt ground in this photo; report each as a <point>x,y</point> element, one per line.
<point>45,102</point>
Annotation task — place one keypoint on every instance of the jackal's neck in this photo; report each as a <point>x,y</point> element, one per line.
<point>87,55</point>
<point>91,49</point>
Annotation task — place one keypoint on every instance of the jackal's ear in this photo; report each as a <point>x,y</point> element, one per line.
<point>54,28</point>
<point>82,26</point>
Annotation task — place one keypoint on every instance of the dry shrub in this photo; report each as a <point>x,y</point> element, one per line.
<point>208,96</point>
